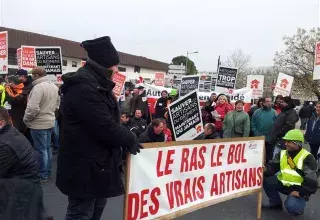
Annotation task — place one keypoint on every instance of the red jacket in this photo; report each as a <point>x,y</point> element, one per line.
<point>167,134</point>
<point>222,110</point>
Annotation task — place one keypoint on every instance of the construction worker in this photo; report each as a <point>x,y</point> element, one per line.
<point>296,175</point>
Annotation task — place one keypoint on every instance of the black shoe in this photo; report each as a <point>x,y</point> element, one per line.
<point>298,214</point>
<point>272,207</point>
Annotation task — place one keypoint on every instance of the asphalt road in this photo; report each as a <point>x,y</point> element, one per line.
<point>243,208</point>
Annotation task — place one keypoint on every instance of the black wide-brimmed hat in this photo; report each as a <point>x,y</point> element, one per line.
<point>102,51</point>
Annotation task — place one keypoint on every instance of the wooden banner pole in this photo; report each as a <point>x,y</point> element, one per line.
<point>259,205</point>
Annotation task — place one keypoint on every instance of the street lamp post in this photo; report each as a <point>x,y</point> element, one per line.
<point>188,59</point>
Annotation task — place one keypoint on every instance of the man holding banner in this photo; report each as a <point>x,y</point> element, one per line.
<point>92,139</point>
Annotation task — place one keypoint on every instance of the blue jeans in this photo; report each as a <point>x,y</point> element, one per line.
<point>272,186</point>
<point>87,208</point>
<point>42,144</point>
<point>56,134</point>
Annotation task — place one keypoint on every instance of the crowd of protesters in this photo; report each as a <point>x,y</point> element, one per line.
<point>92,133</point>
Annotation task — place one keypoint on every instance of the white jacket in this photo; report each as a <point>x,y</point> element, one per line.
<point>42,103</point>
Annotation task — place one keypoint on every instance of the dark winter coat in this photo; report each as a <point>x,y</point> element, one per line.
<point>306,112</point>
<point>21,194</point>
<point>313,130</point>
<point>140,125</point>
<point>150,137</point>
<point>212,136</point>
<point>285,122</point>
<point>91,135</point>
<point>161,106</point>
<point>140,102</point>
<point>17,157</point>
<point>19,105</point>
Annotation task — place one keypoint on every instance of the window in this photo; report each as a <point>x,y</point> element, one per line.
<point>122,69</point>
<point>64,63</point>
<point>136,69</point>
<point>74,64</point>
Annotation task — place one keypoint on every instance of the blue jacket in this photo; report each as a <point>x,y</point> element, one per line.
<point>313,135</point>
<point>262,122</point>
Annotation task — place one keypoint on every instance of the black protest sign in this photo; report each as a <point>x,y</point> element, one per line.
<point>50,59</point>
<point>186,117</point>
<point>189,84</point>
<point>227,77</point>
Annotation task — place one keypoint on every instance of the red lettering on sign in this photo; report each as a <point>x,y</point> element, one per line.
<point>244,178</point>
<point>218,156</point>
<point>196,159</point>
<point>137,204</point>
<point>169,161</point>
<point>236,154</point>
<point>259,173</point>
<point>181,193</point>
<point>238,181</point>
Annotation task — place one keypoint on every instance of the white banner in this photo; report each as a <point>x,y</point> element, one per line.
<point>255,82</point>
<point>316,71</point>
<point>244,94</point>
<point>168,180</point>
<point>284,85</point>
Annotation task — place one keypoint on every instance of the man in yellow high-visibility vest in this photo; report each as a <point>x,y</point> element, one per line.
<point>292,172</point>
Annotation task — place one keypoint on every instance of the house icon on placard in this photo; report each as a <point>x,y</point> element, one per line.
<point>255,84</point>
<point>4,68</point>
<point>284,83</point>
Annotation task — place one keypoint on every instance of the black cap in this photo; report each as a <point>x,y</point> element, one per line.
<point>102,51</point>
<point>22,72</point>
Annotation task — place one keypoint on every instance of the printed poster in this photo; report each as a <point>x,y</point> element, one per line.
<point>19,57</point>
<point>316,72</point>
<point>284,85</point>
<point>186,117</point>
<point>256,82</point>
<point>3,52</point>
<point>28,58</point>
<point>49,58</point>
<point>189,84</point>
<point>119,79</point>
<point>226,79</point>
<point>205,83</point>
<point>159,79</point>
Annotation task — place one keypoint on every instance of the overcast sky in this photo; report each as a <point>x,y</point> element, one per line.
<point>163,29</point>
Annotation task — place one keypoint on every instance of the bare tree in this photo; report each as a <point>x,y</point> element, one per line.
<point>298,60</point>
<point>241,61</point>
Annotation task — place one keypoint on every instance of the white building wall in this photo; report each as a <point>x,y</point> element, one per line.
<point>69,68</point>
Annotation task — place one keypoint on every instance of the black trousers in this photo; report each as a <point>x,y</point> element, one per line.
<point>269,151</point>
<point>314,150</point>
<point>87,208</point>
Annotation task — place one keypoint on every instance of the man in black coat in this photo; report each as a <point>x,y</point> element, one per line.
<point>21,193</point>
<point>138,122</point>
<point>154,133</point>
<point>91,138</point>
<point>161,105</point>
<point>305,114</point>
<point>285,122</point>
